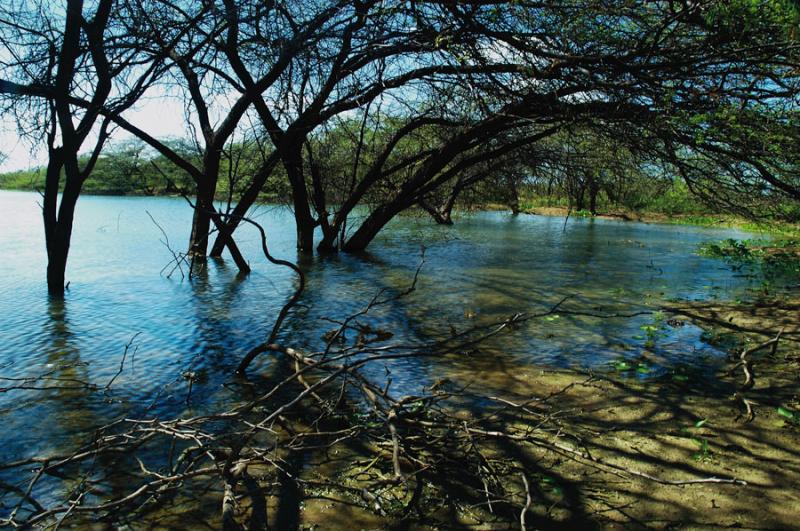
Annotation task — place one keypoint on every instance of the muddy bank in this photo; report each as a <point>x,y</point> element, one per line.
<point>630,429</point>
<point>651,453</point>
<point>762,317</point>
<point>560,449</point>
<point>704,220</point>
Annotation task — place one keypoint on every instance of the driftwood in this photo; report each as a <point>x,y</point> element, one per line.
<point>746,363</point>
<point>414,446</point>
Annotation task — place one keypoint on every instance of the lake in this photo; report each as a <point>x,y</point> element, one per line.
<point>488,266</point>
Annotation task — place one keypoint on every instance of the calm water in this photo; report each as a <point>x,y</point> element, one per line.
<point>487,266</point>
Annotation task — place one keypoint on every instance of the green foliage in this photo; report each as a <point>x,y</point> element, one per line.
<point>733,249</point>
<point>774,259</point>
<point>789,414</point>
<point>744,16</point>
<point>653,330</point>
<point>131,168</point>
<point>629,367</point>
<point>675,199</point>
<point>23,179</point>
<point>704,452</point>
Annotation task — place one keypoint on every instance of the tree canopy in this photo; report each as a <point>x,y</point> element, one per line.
<point>392,105</point>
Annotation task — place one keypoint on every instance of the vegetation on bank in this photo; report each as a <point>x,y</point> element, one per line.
<point>773,227</point>
<point>774,259</point>
<point>131,168</point>
<point>681,108</point>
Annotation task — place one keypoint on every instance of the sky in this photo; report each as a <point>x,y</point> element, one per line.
<point>161,113</point>
<point>161,116</point>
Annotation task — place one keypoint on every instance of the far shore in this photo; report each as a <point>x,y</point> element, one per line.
<point>700,219</point>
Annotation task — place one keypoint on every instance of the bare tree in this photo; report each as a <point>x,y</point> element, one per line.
<point>54,59</point>
<point>498,77</point>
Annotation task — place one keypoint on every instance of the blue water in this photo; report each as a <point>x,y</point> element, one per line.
<point>486,267</point>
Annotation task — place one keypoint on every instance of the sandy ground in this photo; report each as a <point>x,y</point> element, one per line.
<point>673,431</point>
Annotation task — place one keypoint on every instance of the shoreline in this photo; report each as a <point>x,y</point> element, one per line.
<point>696,220</point>
<point>711,220</point>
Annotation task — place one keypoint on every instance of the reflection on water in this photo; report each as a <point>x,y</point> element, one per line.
<point>488,266</point>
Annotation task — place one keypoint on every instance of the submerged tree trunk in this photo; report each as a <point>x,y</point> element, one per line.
<point>305,232</point>
<point>201,224</point>
<point>205,213</point>
<point>370,227</point>
<point>57,243</point>
<point>327,244</point>
<point>54,242</point>
<point>57,254</point>
<point>304,221</point>
<point>248,199</point>
<point>442,216</point>
<point>58,219</point>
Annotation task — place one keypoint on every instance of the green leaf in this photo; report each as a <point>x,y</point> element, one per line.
<point>782,411</point>
<point>699,423</point>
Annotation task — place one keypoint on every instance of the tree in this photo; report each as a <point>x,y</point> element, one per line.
<point>642,73</point>
<point>436,97</point>
<point>52,59</point>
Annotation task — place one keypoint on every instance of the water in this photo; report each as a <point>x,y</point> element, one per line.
<point>488,266</point>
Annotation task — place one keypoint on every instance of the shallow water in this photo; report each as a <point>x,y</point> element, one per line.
<point>488,266</point>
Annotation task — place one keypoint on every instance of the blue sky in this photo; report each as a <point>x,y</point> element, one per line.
<point>162,117</point>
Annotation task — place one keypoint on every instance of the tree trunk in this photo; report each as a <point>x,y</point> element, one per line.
<point>514,199</point>
<point>57,253</point>
<point>227,240</point>
<point>57,222</point>
<point>579,195</point>
<point>222,240</point>
<point>201,225</point>
<point>305,230</point>
<point>302,211</point>
<point>442,216</point>
<point>58,231</point>
<point>247,200</point>
<point>370,228</point>
<point>445,216</point>
<point>327,244</point>
<point>594,189</point>
<point>204,207</point>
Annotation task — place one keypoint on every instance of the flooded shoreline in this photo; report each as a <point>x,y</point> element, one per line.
<point>130,343</point>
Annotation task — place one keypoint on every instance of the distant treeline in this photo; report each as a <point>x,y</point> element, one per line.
<point>132,168</point>
<point>580,171</point>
